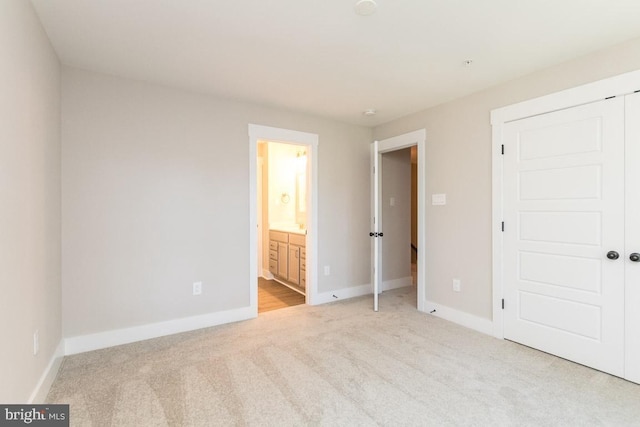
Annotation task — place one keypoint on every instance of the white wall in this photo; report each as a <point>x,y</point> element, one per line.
<point>459,164</point>
<point>156,196</point>
<point>396,220</point>
<point>30,199</point>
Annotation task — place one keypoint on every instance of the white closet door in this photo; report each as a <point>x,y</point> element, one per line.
<point>564,212</point>
<point>632,237</point>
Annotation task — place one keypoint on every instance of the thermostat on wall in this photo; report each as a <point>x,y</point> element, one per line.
<point>438,199</point>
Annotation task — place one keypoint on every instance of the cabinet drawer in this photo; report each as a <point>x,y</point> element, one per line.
<point>297,239</point>
<point>303,263</point>
<point>278,236</point>
<point>273,255</point>
<point>273,266</point>
<point>303,253</point>
<point>273,245</point>
<point>303,278</point>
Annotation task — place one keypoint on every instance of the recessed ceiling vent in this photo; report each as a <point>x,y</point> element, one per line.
<point>365,7</point>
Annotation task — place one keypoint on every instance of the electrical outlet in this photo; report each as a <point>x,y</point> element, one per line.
<point>456,285</point>
<point>36,342</point>
<point>197,288</point>
<point>327,270</point>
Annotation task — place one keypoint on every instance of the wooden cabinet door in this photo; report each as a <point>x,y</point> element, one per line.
<point>294,265</point>
<point>282,259</point>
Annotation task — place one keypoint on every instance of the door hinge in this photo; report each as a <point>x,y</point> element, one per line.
<point>503,303</point>
<point>503,149</point>
<point>503,226</point>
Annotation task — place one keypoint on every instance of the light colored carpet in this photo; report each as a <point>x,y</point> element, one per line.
<point>339,364</point>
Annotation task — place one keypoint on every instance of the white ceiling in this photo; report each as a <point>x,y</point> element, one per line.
<point>319,57</point>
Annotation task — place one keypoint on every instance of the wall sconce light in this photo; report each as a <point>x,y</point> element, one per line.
<point>301,161</point>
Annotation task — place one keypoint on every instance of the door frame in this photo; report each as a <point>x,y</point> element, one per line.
<point>416,138</point>
<point>310,141</point>
<point>620,85</point>
<point>259,215</point>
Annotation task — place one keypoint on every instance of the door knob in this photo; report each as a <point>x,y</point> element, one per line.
<point>635,257</point>
<point>613,255</point>
<point>371,234</point>
<point>380,234</point>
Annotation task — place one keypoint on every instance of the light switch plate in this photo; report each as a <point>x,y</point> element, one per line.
<point>197,288</point>
<point>438,199</point>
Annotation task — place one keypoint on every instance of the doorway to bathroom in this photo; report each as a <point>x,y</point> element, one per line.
<point>282,221</point>
<point>283,218</point>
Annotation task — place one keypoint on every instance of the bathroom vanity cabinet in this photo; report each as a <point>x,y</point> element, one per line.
<point>287,258</point>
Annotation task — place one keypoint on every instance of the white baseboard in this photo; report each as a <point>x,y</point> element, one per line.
<point>49,375</point>
<point>339,294</point>
<point>267,275</point>
<point>467,320</point>
<point>397,283</point>
<point>90,342</point>
<point>83,343</point>
<point>358,291</point>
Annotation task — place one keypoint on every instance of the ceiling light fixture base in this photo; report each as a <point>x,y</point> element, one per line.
<point>365,7</point>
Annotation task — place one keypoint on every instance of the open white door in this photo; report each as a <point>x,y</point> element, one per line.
<point>415,138</point>
<point>376,232</point>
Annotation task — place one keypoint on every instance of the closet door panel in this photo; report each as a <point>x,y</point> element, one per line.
<point>563,212</point>
<point>632,231</point>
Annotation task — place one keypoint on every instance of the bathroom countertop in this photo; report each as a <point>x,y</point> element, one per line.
<point>290,229</point>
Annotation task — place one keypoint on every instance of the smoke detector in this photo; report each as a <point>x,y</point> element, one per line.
<point>370,112</point>
<point>365,7</point>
